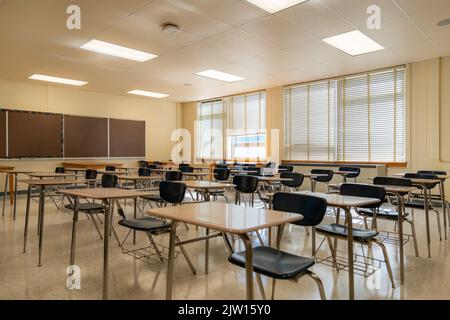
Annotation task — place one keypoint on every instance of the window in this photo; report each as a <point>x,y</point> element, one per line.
<point>233,128</point>
<point>246,131</point>
<point>355,118</point>
<point>209,130</point>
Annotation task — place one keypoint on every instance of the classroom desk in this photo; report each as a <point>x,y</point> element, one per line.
<point>108,196</point>
<point>42,184</point>
<point>13,174</point>
<point>224,218</point>
<point>207,186</point>
<point>396,191</point>
<point>136,179</point>
<point>42,175</point>
<point>345,203</point>
<point>196,175</point>
<point>11,181</point>
<point>442,179</point>
<point>91,165</point>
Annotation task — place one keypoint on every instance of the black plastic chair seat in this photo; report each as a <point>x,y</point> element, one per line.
<point>389,214</point>
<point>147,224</point>
<point>341,231</point>
<point>86,207</point>
<point>274,263</point>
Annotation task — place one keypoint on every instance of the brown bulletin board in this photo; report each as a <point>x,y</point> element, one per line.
<point>126,138</point>
<point>3,134</point>
<point>35,135</point>
<point>85,137</point>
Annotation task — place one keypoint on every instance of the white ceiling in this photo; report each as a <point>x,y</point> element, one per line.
<point>228,35</point>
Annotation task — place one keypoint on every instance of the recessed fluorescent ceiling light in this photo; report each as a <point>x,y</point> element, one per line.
<point>117,51</point>
<point>71,82</point>
<point>273,6</point>
<point>214,74</point>
<point>148,94</point>
<point>354,43</point>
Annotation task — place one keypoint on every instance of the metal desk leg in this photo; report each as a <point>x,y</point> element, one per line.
<point>135,216</point>
<point>106,235</point>
<point>15,195</point>
<point>27,217</point>
<point>170,263</point>
<point>207,252</point>
<point>4,194</point>
<point>248,265</point>
<point>41,225</point>
<point>74,233</point>
<point>400,207</point>
<point>427,219</point>
<point>444,207</point>
<point>351,280</point>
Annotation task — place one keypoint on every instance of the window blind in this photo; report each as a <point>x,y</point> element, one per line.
<point>234,126</point>
<point>209,133</point>
<point>350,119</point>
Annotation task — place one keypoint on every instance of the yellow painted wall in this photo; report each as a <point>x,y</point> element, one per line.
<point>161,116</point>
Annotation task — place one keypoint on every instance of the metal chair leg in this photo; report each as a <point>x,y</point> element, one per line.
<point>413,231</point>
<point>386,260</point>
<point>438,218</point>
<point>318,282</point>
<point>274,282</point>
<point>333,253</point>
<point>260,286</point>
<point>188,260</point>
<point>152,242</point>
<point>95,224</point>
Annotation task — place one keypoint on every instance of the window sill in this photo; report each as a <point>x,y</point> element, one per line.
<point>342,163</point>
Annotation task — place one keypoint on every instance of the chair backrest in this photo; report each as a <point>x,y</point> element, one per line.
<point>91,174</point>
<point>328,175</point>
<point>172,192</point>
<point>60,170</point>
<point>221,174</point>
<point>364,190</point>
<point>430,185</point>
<point>152,167</point>
<point>390,181</point>
<point>142,164</point>
<point>181,165</point>
<point>438,173</point>
<point>221,166</point>
<point>144,172</point>
<point>109,181</point>
<point>312,208</point>
<point>187,169</point>
<point>297,179</point>
<point>354,172</point>
<point>245,184</point>
<point>285,168</point>
<point>174,176</point>
<point>110,168</point>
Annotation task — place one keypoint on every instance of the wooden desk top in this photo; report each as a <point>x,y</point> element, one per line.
<point>117,173</point>
<point>138,178</point>
<point>314,175</point>
<point>50,175</point>
<point>105,193</point>
<point>56,182</point>
<point>207,185</point>
<point>388,188</point>
<point>196,174</point>
<point>6,168</point>
<point>340,201</point>
<point>442,177</point>
<point>273,179</point>
<point>26,172</point>
<point>226,217</point>
<point>90,165</point>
